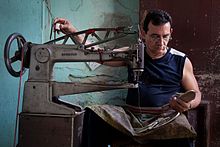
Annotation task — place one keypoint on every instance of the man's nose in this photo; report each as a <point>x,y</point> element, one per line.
<point>160,40</point>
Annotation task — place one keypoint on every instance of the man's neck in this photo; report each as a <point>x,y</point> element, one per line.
<point>156,55</point>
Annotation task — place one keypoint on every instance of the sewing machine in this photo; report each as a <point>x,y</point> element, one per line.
<point>44,120</point>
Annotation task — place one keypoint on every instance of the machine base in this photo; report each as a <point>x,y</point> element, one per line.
<point>45,130</point>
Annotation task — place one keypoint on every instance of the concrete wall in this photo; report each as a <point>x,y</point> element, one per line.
<point>32,18</point>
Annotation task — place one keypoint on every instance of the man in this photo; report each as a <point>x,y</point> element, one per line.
<point>167,71</point>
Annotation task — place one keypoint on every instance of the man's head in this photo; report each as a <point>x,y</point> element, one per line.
<point>156,17</point>
<point>157,32</point>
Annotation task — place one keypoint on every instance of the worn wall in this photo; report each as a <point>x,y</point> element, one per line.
<point>33,20</point>
<point>92,14</point>
<point>196,32</point>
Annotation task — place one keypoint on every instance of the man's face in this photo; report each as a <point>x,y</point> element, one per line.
<point>157,37</point>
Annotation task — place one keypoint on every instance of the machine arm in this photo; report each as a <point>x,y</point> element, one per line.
<point>109,35</point>
<point>60,88</point>
<point>25,48</point>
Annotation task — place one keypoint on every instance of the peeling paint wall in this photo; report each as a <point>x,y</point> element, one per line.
<point>85,14</point>
<point>33,20</point>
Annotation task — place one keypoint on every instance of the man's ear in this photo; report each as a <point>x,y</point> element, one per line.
<point>171,30</point>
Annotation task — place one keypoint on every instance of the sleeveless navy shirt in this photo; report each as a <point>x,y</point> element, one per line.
<point>160,80</point>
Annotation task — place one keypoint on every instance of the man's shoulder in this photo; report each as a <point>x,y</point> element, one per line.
<point>176,52</point>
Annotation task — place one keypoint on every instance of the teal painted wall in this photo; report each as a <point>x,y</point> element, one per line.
<point>32,18</point>
<point>22,16</point>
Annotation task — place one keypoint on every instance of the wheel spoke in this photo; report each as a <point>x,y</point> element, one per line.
<point>19,42</point>
<point>13,59</point>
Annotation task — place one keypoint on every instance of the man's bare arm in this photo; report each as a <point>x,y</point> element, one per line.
<point>189,82</point>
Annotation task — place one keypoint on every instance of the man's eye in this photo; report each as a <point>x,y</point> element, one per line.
<point>155,36</point>
<point>166,36</point>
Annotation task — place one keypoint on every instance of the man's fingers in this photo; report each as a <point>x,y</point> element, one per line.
<point>179,105</point>
<point>60,20</point>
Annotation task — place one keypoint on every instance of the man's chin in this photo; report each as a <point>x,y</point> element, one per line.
<point>160,48</point>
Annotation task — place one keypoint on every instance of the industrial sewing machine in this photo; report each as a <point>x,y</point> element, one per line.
<point>44,120</point>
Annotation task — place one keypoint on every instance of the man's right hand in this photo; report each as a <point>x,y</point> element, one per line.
<point>65,26</point>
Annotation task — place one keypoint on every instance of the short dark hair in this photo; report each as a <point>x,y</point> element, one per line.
<point>157,17</point>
